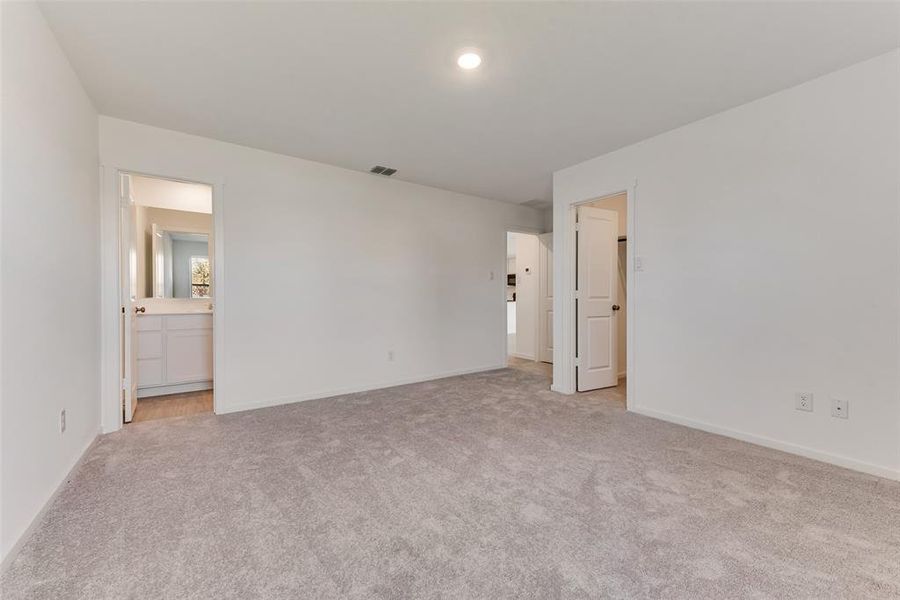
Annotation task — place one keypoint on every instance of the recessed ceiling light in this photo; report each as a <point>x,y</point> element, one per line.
<point>468,61</point>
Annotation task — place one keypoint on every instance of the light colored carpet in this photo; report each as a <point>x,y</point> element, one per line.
<point>482,486</point>
<point>531,366</point>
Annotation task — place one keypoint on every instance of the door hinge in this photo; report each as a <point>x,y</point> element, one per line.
<point>577,226</point>
<point>123,310</point>
<point>124,384</point>
<point>577,361</point>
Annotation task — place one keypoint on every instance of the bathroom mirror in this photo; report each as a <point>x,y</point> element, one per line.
<point>181,265</point>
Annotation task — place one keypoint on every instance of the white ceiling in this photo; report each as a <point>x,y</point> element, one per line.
<point>376,83</point>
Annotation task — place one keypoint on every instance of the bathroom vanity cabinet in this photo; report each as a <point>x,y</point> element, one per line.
<point>174,353</point>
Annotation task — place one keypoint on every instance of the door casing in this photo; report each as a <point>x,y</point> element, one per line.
<point>111,321</point>
<point>564,277</point>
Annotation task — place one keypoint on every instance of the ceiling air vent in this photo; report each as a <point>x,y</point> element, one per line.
<point>379,170</point>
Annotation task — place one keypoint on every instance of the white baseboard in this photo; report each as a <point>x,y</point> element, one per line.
<point>826,457</point>
<point>522,356</point>
<point>351,390</point>
<point>181,388</point>
<point>10,556</point>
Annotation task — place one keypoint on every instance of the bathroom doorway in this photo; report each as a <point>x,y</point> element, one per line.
<point>168,289</point>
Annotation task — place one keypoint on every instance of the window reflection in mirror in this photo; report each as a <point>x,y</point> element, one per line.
<point>181,266</point>
<point>200,277</point>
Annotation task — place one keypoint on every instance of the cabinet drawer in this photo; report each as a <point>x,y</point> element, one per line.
<point>149,323</point>
<point>175,322</point>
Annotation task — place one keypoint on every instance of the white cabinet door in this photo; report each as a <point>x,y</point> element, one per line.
<point>150,372</point>
<point>188,355</point>
<point>173,350</point>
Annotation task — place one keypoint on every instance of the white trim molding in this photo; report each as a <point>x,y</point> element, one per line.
<point>11,554</point>
<point>826,457</point>
<point>331,393</point>
<point>178,388</point>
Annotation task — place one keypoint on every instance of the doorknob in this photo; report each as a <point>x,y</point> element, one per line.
<point>139,309</point>
<point>616,307</point>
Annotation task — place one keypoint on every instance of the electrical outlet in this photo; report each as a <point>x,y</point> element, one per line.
<point>62,421</point>
<point>390,356</point>
<point>638,263</point>
<point>804,401</point>
<point>839,408</point>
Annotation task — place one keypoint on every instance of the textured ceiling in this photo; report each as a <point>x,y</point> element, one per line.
<point>376,83</point>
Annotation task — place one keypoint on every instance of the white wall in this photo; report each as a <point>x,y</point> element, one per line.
<point>770,236</point>
<point>547,215</point>
<point>356,265</point>
<point>50,270</point>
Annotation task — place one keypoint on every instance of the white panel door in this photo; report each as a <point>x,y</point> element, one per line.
<point>596,297</point>
<point>129,299</point>
<point>545,299</point>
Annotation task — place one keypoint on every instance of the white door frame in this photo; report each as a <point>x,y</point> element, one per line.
<point>564,252</point>
<point>111,285</point>
<point>506,232</point>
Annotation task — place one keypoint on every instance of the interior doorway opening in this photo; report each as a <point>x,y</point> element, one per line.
<point>529,302</point>
<point>601,284</point>
<point>167,291</point>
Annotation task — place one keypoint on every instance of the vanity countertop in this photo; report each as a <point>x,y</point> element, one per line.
<point>154,306</point>
<point>174,311</point>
